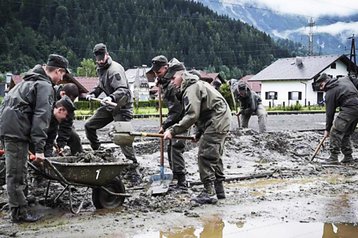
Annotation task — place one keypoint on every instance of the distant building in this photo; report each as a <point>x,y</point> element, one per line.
<point>289,80</point>
<point>139,83</point>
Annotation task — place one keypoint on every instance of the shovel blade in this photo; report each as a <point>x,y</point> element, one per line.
<point>159,183</point>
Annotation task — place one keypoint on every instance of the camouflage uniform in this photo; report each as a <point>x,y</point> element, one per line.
<point>250,104</point>
<point>25,116</point>
<point>341,93</point>
<point>175,112</point>
<point>113,82</point>
<point>207,109</point>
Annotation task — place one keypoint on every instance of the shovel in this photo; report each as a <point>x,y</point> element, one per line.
<point>160,183</point>
<point>318,147</point>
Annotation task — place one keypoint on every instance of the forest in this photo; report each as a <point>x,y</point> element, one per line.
<point>134,31</point>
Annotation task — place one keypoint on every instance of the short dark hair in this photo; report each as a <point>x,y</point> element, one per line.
<point>71,90</point>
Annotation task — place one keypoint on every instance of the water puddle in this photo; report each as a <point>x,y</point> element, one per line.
<point>214,227</point>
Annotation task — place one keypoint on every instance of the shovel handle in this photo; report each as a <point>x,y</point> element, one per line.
<point>318,147</point>
<point>145,134</point>
<point>107,102</point>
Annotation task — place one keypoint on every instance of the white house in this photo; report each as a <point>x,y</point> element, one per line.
<point>289,80</point>
<point>138,83</point>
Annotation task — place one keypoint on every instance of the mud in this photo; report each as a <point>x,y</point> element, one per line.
<point>270,180</point>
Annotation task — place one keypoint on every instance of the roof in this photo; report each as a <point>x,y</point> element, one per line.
<point>87,82</point>
<point>254,85</point>
<point>290,68</point>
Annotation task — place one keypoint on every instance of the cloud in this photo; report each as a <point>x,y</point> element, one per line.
<point>309,8</point>
<point>341,30</point>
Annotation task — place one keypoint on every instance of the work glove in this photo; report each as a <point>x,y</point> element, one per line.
<point>90,97</point>
<point>106,99</point>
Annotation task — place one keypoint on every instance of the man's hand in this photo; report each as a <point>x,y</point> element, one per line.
<point>90,97</point>
<point>326,133</point>
<point>105,101</point>
<point>238,114</point>
<point>168,135</point>
<point>161,131</point>
<point>39,159</point>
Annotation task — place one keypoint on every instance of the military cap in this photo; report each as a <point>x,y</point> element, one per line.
<point>158,62</point>
<point>174,66</point>
<point>58,61</point>
<point>67,103</point>
<point>322,77</point>
<point>99,51</point>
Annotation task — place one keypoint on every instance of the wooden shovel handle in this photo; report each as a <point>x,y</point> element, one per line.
<point>145,134</point>
<point>318,147</point>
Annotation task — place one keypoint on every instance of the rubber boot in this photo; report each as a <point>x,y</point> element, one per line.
<point>182,183</point>
<point>207,196</point>
<point>347,159</point>
<point>333,159</point>
<point>219,189</point>
<point>22,215</point>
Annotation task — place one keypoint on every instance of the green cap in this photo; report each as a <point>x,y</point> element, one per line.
<point>58,61</point>
<point>174,66</point>
<point>99,51</point>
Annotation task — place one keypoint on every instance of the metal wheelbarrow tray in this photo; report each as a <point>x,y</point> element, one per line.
<point>108,190</point>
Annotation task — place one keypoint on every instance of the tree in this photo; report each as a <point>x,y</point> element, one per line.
<point>87,68</point>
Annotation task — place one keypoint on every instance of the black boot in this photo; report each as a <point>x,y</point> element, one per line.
<point>182,183</point>
<point>219,189</point>
<point>207,196</point>
<point>347,159</point>
<point>20,214</point>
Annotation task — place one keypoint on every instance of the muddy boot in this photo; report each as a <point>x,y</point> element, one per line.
<point>347,159</point>
<point>22,215</point>
<point>219,189</point>
<point>333,159</point>
<point>182,183</point>
<point>207,196</point>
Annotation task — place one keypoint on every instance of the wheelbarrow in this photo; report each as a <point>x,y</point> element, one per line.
<point>108,190</point>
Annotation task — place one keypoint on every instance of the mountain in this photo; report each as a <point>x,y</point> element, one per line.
<point>134,32</point>
<point>327,37</point>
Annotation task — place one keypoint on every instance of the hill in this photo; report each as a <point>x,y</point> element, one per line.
<point>134,31</point>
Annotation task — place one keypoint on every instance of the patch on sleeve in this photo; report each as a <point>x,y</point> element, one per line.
<point>186,101</point>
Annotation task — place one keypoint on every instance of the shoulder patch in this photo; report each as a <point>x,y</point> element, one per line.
<point>186,101</point>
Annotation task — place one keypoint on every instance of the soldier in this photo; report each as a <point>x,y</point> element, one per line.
<point>113,82</point>
<point>64,132</point>
<point>25,117</point>
<point>205,107</point>
<point>175,112</point>
<point>340,93</point>
<point>250,104</point>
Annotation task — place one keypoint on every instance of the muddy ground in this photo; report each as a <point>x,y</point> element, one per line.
<point>271,180</point>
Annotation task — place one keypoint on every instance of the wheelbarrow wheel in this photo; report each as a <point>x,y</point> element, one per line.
<point>102,199</point>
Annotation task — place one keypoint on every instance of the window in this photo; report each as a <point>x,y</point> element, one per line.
<point>333,65</point>
<point>294,95</point>
<point>270,95</point>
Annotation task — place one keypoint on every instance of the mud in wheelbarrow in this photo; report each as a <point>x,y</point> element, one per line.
<point>108,190</point>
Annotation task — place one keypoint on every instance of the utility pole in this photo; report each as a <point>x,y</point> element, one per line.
<point>311,24</point>
<point>352,58</point>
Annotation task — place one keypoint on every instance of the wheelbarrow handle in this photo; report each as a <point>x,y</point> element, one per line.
<point>145,134</point>
<point>107,102</point>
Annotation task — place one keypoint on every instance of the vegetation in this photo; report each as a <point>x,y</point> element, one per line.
<point>134,31</point>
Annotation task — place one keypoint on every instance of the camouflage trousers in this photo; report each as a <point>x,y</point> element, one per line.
<point>100,119</point>
<point>341,131</point>
<point>211,148</point>
<point>261,117</point>
<point>16,157</point>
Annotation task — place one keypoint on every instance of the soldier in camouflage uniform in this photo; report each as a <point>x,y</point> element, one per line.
<point>340,93</point>
<point>205,107</point>
<point>250,103</point>
<point>25,116</point>
<point>113,82</point>
<point>176,148</point>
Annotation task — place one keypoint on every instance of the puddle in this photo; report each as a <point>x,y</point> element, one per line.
<point>214,227</point>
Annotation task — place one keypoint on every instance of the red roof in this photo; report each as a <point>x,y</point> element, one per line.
<point>87,82</point>
<point>254,85</point>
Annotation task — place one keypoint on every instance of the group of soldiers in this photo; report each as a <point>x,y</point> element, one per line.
<point>35,113</point>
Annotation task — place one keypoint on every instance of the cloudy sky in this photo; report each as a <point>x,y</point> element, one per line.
<point>309,8</point>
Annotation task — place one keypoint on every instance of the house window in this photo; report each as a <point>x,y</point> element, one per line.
<point>294,95</point>
<point>333,65</point>
<point>270,95</point>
